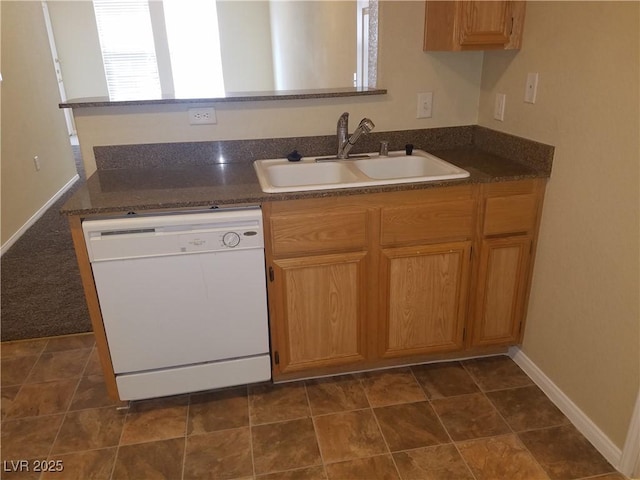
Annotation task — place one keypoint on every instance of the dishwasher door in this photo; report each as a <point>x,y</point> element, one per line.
<point>178,292</point>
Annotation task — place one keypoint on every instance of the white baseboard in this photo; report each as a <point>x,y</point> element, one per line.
<point>36,216</point>
<point>582,422</point>
<point>630,460</point>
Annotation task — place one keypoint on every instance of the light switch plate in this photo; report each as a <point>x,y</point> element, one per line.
<point>425,105</point>
<point>531,88</point>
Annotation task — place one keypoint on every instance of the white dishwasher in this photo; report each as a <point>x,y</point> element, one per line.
<point>183,299</point>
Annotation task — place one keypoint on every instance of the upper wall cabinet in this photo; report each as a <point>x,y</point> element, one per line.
<point>473,25</point>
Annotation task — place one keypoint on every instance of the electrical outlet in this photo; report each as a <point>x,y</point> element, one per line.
<point>202,116</point>
<point>425,105</point>
<point>498,109</point>
<point>36,163</point>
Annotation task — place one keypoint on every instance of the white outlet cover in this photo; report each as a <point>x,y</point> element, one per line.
<point>202,116</point>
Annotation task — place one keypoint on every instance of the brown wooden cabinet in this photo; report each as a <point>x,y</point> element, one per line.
<point>357,281</point>
<point>473,25</point>
<point>510,221</point>
<point>425,240</point>
<point>319,303</point>
<point>319,270</point>
<point>500,290</point>
<point>423,298</point>
<point>366,281</point>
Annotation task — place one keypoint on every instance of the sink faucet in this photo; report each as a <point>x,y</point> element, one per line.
<point>345,143</point>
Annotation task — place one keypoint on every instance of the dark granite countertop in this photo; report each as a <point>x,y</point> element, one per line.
<point>122,190</point>
<point>226,98</point>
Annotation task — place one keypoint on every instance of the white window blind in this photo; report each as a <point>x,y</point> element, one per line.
<point>128,51</point>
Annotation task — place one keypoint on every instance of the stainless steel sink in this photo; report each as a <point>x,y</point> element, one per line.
<point>280,175</point>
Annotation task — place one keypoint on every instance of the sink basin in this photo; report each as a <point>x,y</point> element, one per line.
<point>280,175</point>
<point>426,167</point>
<point>306,174</point>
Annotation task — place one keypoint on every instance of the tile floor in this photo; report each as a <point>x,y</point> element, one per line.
<point>479,419</point>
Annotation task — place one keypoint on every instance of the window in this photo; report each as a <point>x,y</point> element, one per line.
<point>128,51</point>
<point>126,31</point>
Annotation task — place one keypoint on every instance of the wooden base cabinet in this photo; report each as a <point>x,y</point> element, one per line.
<point>423,298</point>
<point>319,264</point>
<point>500,293</point>
<point>320,306</point>
<point>368,281</point>
<point>510,215</point>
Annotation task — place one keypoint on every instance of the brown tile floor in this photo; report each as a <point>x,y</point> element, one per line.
<point>479,419</point>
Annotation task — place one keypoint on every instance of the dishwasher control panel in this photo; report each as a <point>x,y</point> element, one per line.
<point>171,234</point>
<point>220,240</point>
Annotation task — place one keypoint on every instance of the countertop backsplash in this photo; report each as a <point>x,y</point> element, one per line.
<point>157,155</point>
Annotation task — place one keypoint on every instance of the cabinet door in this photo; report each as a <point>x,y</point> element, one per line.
<point>484,23</point>
<point>319,305</point>
<point>500,291</point>
<point>473,25</point>
<point>423,307</point>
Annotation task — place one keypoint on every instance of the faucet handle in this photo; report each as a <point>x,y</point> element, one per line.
<point>384,148</point>
<point>294,156</point>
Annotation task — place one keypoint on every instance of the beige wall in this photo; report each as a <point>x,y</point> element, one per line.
<point>245,45</point>
<point>32,123</point>
<point>320,55</point>
<point>76,33</point>
<point>583,321</point>
<point>404,69</point>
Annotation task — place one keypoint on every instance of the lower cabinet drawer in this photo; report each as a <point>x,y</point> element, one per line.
<point>513,214</point>
<point>427,222</point>
<point>318,232</point>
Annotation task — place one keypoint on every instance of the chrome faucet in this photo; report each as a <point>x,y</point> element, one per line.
<point>345,143</point>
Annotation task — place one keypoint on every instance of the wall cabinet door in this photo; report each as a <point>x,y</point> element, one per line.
<point>501,289</point>
<point>484,23</point>
<point>473,25</point>
<point>319,304</point>
<point>423,298</point>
